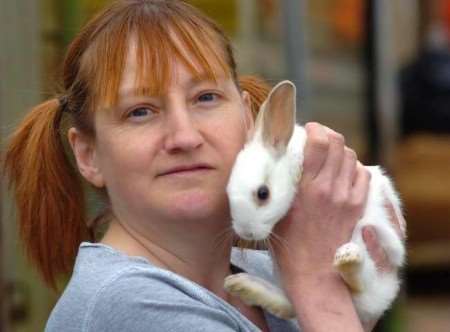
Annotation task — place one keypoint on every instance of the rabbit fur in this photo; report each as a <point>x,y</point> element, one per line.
<point>269,167</point>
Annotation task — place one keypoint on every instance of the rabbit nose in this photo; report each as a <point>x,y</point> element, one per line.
<point>247,235</point>
<point>244,232</point>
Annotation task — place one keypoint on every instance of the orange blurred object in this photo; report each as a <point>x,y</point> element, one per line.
<point>446,16</point>
<point>347,18</point>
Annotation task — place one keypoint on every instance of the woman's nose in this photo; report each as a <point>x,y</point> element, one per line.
<point>182,131</point>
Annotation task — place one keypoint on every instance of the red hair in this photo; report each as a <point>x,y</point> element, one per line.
<point>47,187</point>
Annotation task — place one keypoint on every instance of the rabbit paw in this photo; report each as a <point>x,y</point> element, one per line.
<point>348,255</point>
<point>255,291</point>
<point>348,261</point>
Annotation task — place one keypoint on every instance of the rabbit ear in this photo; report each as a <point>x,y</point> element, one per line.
<point>277,117</point>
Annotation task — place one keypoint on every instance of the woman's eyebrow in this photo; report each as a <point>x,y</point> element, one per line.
<point>206,79</point>
<point>127,92</point>
<point>130,92</point>
<point>193,81</point>
<point>129,96</point>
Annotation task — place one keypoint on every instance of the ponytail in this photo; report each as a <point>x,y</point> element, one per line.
<point>48,192</point>
<point>258,90</point>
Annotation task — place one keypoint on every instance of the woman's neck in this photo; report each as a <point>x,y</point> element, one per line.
<point>201,259</point>
<point>205,262</point>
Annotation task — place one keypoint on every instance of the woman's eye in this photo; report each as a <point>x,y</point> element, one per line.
<point>140,112</point>
<point>207,97</point>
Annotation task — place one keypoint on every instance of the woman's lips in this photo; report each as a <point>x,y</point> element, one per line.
<point>186,169</point>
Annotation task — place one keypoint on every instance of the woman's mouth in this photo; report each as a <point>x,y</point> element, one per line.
<point>186,169</point>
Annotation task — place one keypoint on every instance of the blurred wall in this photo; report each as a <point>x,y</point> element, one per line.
<point>21,87</point>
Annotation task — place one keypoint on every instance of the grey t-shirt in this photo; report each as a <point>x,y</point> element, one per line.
<point>110,291</point>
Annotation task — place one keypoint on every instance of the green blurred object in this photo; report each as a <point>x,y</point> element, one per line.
<point>393,320</point>
<point>76,12</point>
<point>222,11</point>
<point>72,19</point>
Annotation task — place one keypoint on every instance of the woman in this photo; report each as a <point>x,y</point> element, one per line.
<point>157,115</point>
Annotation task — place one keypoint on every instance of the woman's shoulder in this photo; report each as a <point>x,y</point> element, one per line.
<point>114,292</point>
<point>103,273</point>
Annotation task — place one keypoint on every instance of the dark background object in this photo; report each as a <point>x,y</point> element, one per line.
<point>425,93</point>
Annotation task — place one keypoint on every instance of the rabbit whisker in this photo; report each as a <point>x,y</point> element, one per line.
<point>225,236</point>
<point>277,240</point>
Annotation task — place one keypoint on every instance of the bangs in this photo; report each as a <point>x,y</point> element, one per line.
<point>159,35</point>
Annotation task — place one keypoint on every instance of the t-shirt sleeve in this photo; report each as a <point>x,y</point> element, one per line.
<point>137,302</point>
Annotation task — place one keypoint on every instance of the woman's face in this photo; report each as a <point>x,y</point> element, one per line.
<point>168,157</point>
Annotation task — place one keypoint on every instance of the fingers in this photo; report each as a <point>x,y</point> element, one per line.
<point>348,170</point>
<point>331,164</point>
<point>324,152</point>
<point>360,189</point>
<point>394,219</point>
<point>336,152</point>
<point>374,248</point>
<point>377,253</point>
<point>316,149</point>
<point>335,168</point>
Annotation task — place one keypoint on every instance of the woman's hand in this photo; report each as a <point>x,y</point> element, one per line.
<point>331,197</point>
<point>373,246</point>
<point>330,200</point>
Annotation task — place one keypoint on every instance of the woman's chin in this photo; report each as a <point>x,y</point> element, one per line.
<point>197,206</point>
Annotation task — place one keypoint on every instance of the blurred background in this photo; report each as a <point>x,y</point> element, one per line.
<point>377,71</point>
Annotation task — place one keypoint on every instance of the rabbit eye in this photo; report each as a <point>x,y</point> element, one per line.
<point>263,193</point>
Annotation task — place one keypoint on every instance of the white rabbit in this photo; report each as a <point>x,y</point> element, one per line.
<point>261,188</point>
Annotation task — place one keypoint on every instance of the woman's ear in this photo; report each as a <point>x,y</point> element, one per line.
<point>84,151</point>
<point>248,116</point>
